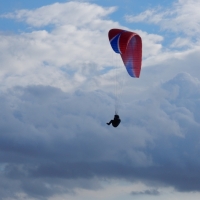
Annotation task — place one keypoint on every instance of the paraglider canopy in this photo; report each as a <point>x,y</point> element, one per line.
<point>129,45</point>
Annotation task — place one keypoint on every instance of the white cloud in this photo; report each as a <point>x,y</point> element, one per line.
<point>69,54</point>
<point>150,16</point>
<point>183,16</point>
<point>58,57</point>
<point>182,42</point>
<point>151,44</point>
<point>60,14</point>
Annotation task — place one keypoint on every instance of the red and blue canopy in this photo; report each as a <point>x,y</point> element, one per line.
<point>129,46</point>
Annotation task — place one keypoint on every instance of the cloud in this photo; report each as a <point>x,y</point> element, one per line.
<point>64,50</point>
<point>43,56</point>
<point>57,138</point>
<point>146,192</point>
<point>61,13</point>
<point>181,12</point>
<point>149,15</point>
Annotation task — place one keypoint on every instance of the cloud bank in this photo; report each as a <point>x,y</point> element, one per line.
<point>57,138</point>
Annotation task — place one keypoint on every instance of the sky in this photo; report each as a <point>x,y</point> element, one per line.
<point>58,89</point>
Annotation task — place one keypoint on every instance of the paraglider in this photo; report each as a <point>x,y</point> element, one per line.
<point>129,45</point>
<point>115,122</point>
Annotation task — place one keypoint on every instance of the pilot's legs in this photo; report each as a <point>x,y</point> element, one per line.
<point>110,122</point>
